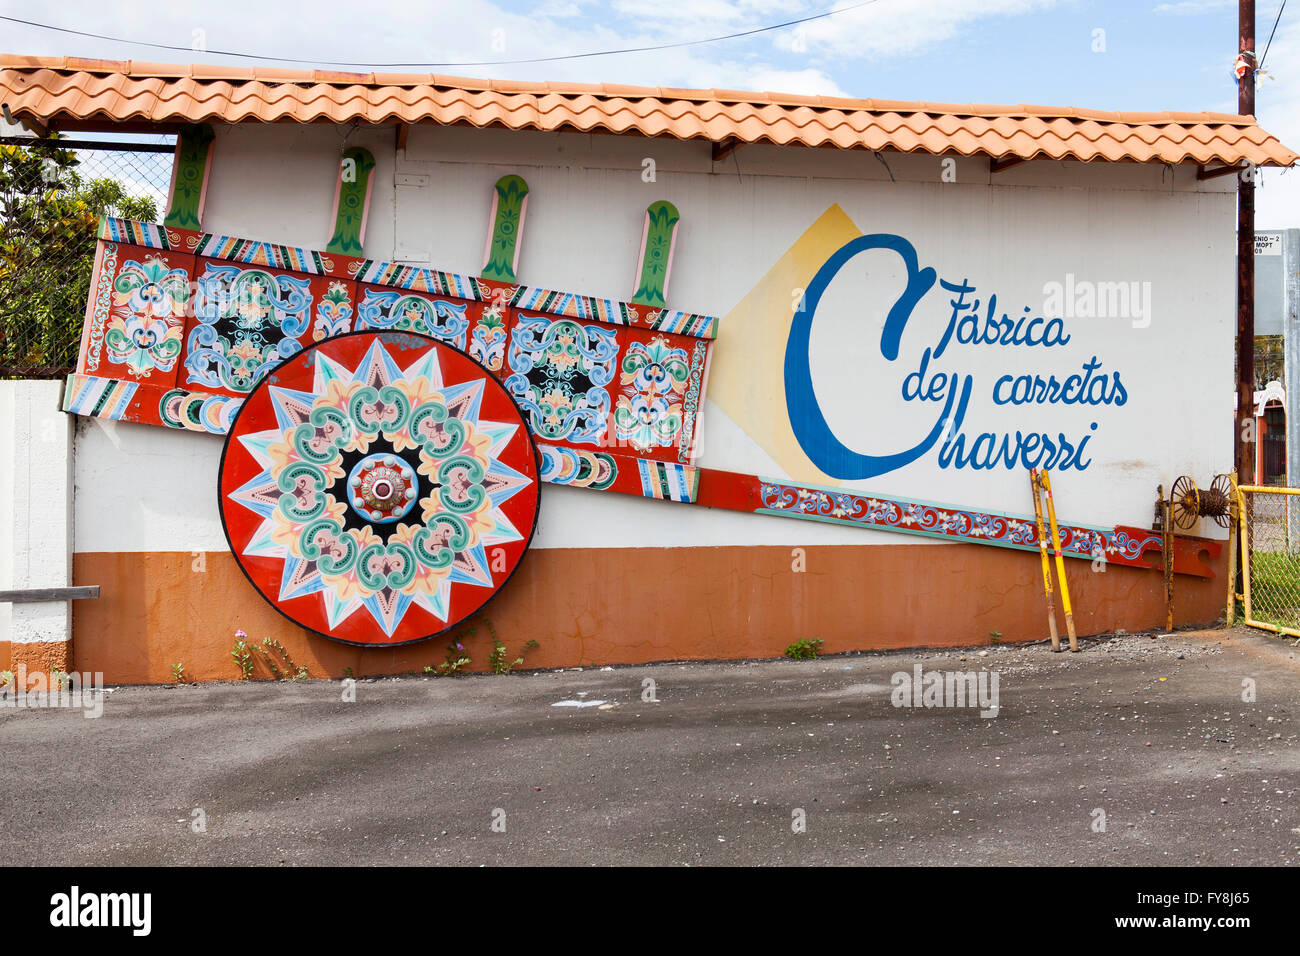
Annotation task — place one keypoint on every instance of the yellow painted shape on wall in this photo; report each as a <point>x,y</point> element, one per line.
<point>747,373</point>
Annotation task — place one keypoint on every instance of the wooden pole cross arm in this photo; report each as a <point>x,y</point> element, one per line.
<point>35,595</point>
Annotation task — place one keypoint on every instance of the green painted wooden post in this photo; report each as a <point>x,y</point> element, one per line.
<point>509,201</point>
<point>352,201</point>
<point>657,254</point>
<point>190,178</point>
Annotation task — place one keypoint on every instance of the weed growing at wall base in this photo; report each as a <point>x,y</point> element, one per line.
<point>497,659</point>
<point>291,670</point>
<point>455,660</point>
<point>274,654</point>
<point>804,649</point>
<point>458,659</point>
<point>242,655</point>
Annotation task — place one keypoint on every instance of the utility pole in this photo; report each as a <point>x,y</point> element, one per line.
<point>1244,440</point>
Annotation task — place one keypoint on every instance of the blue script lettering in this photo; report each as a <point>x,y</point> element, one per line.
<point>806,419</point>
<point>1075,390</point>
<point>1034,450</point>
<point>1003,331</point>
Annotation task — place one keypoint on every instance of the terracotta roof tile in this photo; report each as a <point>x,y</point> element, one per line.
<point>63,90</point>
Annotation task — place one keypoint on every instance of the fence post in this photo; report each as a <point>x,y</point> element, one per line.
<point>1245,555</point>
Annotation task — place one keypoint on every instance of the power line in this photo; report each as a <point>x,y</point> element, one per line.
<point>1270,36</point>
<point>540,59</point>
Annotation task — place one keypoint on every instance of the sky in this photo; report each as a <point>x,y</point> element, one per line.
<point>1133,55</point>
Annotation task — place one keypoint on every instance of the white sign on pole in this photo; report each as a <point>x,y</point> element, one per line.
<point>1268,243</point>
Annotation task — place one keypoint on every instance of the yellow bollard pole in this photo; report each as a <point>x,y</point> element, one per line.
<point>1047,564</point>
<point>1060,561</point>
<point>1231,616</point>
<point>1245,556</point>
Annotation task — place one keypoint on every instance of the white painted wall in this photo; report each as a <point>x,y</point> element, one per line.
<point>35,508</point>
<point>1009,235</point>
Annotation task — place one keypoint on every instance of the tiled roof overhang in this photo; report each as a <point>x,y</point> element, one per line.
<point>65,92</point>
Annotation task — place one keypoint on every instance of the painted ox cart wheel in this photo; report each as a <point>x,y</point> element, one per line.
<point>378,487</point>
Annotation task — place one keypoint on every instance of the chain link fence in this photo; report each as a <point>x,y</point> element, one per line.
<point>52,193</point>
<point>1271,535</point>
<point>1269,359</point>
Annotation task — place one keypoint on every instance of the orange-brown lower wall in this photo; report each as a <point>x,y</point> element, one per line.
<point>628,605</point>
<point>42,656</point>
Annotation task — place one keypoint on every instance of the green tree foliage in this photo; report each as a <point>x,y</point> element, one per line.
<point>48,214</point>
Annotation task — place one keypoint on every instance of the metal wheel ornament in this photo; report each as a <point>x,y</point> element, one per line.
<point>1218,501</point>
<point>379,487</point>
<point>1184,503</point>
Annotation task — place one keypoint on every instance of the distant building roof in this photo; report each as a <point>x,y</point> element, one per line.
<point>66,91</point>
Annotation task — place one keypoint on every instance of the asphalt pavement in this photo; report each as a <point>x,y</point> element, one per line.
<point>1138,750</point>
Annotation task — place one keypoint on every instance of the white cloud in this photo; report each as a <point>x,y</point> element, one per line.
<point>1194,7</point>
<point>809,82</point>
<point>557,10</point>
<point>897,30</point>
<point>698,14</point>
<point>468,31</point>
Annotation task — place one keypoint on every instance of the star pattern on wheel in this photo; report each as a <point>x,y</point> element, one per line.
<point>302,494</point>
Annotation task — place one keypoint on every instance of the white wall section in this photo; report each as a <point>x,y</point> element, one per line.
<point>1154,234</point>
<point>35,508</point>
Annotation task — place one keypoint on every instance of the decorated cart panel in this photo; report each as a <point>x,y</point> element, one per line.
<point>388,424</point>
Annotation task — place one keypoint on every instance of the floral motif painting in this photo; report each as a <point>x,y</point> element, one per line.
<point>560,370</point>
<point>333,312</point>
<point>146,320</point>
<point>402,311</point>
<point>246,321</point>
<point>487,343</point>
<point>653,376</point>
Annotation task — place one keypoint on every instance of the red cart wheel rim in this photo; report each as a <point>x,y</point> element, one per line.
<point>379,487</point>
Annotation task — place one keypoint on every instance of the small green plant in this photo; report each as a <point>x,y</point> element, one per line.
<point>243,656</point>
<point>347,673</point>
<point>456,659</point>
<point>497,659</point>
<point>7,681</point>
<point>270,664</point>
<point>291,671</point>
<point>804,649</point>
<point>178,673</point>
<point>57,679</point>
<point>995,636</point>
